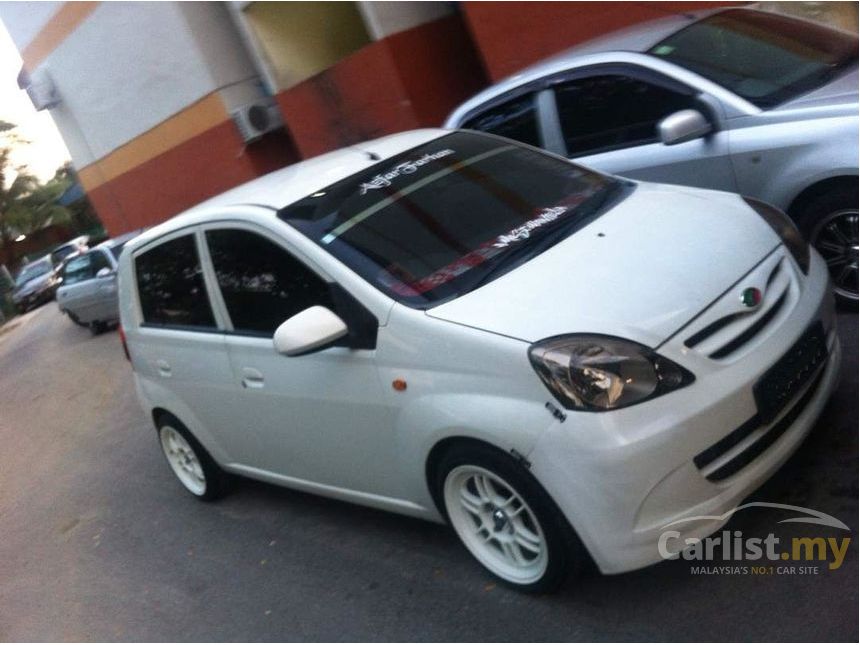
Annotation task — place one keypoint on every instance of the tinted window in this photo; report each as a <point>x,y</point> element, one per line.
<point>515,120</point>
<point>261,283</point>
<point>33,270</point>
<point>435,221</point>
<point>116,249</point>
<point>763,57</point>
<point>170,285</point>
<point>608,112</point>
<point>79,269</point>
<point>100,261</point>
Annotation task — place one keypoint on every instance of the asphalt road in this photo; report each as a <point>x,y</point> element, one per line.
<point>98,541</point>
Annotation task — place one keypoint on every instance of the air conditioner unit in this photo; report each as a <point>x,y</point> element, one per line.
<point>256,119</point>
<point>41,90</point>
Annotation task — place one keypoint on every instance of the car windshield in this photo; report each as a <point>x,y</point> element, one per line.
<point>763,57</point>
<point>441,219</point>
<point>33,270</point>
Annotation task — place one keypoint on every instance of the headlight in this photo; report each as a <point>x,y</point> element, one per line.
<point>785,229</point>
<point>595,373</point>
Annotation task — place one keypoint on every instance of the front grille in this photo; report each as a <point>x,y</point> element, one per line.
<point>725,332</point>
<point>806,358</point>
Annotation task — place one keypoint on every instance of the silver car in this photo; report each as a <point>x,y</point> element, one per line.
<point>738,100</point>
<point>87,291</point>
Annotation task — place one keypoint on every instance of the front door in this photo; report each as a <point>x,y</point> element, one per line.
<point>321,417</point>
<point>608,121</point>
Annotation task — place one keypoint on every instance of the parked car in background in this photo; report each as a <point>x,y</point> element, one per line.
<point>453,325</point>
<point>87,285</point>
<point>35,284</point>
<point>68,249</point>
<point>739,100</point>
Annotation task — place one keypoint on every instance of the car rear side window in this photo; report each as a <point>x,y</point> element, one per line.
<point>515,120</point>
<point>171,287</point>
<point>261,283</point>
<point>608,112</point>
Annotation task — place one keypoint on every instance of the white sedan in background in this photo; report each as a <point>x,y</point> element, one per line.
<point>455,326</point>
<point>731,99</point>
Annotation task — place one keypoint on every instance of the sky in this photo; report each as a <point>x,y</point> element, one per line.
<point>46,152</point>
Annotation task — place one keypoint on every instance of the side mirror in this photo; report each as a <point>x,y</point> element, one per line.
<point>311,329</point>
<point>103,272</point>
<point>682,126</point>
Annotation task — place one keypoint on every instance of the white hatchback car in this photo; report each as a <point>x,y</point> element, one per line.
<point>452,325</point>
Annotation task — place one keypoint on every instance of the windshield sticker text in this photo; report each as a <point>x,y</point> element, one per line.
<point>405,168</point>
<point>547,216</point>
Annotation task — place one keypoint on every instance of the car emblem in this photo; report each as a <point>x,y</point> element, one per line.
<point>751,297</point>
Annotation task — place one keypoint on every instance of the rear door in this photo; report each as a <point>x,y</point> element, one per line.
<point>180,355</point>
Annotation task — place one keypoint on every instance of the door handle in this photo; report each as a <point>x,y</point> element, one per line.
<point>163,368</point>
<point>252,378</point>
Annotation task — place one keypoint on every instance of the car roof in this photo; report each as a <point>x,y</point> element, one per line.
<point>283,187</point>
<point>120,239</point>
<point>637,39</point>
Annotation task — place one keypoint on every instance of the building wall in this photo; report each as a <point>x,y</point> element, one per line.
<point>148,88</point>
<point>301,39</point>
<point>513,35</point>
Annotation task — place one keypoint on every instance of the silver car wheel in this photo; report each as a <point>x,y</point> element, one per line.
<point>496,524</point>
<point>835,238</point>
<point>183,460</point>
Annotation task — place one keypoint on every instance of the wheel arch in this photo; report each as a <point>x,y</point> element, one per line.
<point>434,458</point>
<point>816,189</point>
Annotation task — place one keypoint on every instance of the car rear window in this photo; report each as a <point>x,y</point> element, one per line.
<point>171,287</point>
<point>430,223</point>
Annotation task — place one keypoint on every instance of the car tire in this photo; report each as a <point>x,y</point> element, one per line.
<point>96,327</point>
<point>76,320</point>
<point>190,462</point>
<point>829,222</point>
<point>506,520</point>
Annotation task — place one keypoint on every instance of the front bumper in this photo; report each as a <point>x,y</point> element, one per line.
<point>620,477</point>
<point>33,299</point>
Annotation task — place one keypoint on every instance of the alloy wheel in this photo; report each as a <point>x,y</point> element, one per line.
<point>835,238</point>
<point>183,460</point>
<point>496,524</point>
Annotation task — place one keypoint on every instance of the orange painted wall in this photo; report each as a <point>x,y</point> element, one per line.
<point>202,167</point>
<point>513,35</point>
<point>411,79</point>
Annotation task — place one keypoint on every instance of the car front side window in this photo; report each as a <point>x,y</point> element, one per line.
<point>261,283</point>
<point>78,270</point>
<point>100,262</point>
<point>613,111</point>
<point>171,287</point>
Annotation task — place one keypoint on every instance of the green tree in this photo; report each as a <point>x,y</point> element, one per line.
<point>26,205</point>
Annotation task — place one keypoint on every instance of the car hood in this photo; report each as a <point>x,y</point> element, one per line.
<point>640,271</point>
<point>33,284</point>
<point>840,91</point>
